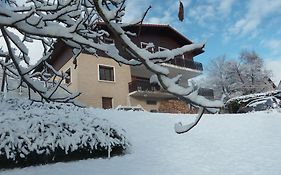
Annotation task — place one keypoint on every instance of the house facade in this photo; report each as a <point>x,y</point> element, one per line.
<point>106,84</point>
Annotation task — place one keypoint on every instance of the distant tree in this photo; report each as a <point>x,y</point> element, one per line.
<point>76,22</point>
<point>254,73</point>
<point>218,77</point>
<point>242,76</point>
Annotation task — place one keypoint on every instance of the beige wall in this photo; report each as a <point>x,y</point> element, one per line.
<point>85,80</point>
<point>141,101</point>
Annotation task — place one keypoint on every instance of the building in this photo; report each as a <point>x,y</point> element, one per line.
<point>105,84</point>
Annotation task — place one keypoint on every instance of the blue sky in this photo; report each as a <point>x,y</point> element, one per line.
<point>227,26</point>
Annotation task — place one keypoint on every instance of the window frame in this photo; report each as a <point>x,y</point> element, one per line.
<point>161,48</point>
<point>144,45</point>
<point>108,66</point>
<point>151,102</point>
<point>112,102</point>
<point>70,76</point>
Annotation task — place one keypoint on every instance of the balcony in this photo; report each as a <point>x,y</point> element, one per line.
<point>178,61</point>
<point>143,89</point>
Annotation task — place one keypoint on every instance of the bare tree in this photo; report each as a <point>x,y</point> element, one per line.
<point>235,77</point>
<point>74,22</point>
<point>218,77</point>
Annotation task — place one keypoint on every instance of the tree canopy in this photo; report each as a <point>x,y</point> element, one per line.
<point>234,77</point>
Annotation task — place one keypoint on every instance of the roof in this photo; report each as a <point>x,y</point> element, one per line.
<point>152,29</point>
<point>142,28</point>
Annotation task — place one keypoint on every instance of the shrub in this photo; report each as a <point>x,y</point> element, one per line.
<point>240,104</point>
<point>44,133</point>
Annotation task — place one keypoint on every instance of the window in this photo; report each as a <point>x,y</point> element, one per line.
<point>108,41</point>
<point>106,102</point>
<point>106,73</point>
<point>68,76</point>
<point>161,49</point>
<point>149,45</point>
<point>151,102</point>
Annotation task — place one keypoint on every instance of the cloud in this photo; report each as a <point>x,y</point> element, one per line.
<point>274,66</point>
<point>256,12</point>
<point>225,6</point>
<point>273,44</point>
<point>213,10</point>
<point>202,14</point>
<point>135,9</point>
<point>163,13</point>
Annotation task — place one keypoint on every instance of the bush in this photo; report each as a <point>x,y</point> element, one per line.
<point>44,133</point>
<point>246,103</point>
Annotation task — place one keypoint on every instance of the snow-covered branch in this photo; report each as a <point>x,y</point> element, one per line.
<point>43,22</point>
<point>189,94</point>
<point>76,22</point>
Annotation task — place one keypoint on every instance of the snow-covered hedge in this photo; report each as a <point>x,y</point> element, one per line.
<point>235,104</point>
<point>42,133</point>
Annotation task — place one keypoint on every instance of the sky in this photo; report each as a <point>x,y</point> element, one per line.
<point>227,26</point>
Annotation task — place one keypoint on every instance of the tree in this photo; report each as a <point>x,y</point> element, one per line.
<point>218,76</point>
<point>255,74</point>
<point>75,22</point>
<point>242,76</point>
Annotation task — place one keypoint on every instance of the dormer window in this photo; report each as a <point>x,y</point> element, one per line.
<point>68,76</point>
<point>148,46</point>
<point>161,48</point>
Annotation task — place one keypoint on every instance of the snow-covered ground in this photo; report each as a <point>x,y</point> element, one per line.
<point>220,144</point>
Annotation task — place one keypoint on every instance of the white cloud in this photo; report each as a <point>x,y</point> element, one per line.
<point>213,10</point>
<point>225,6</point>
<point>135,9</point>
<point>161,12</point>
<point>274,66</point>
<point>257,11</point>
<point>202,14</point>
<point>273,44</point>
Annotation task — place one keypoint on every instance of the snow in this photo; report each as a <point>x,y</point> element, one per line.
<point>220,144</point>
<point>245,98</point>
<point>42,128</point>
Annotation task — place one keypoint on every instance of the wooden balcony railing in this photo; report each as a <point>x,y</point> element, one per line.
<point>178,61</point>
<point>142,85</point>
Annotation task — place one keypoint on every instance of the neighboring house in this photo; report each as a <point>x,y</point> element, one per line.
<point>271,84</point>
<point>106,84</point>
<point>279,85</point>
<point>1,78</point>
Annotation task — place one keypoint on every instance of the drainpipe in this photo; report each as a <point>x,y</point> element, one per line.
<point>128,100</point>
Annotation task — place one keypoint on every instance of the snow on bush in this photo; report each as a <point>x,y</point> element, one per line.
<point>42,133</point>
<point>237,103</point>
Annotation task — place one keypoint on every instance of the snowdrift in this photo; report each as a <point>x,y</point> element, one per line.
<point>44,133</point>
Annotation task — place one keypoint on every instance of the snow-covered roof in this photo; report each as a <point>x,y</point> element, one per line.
<point>159,30</point>
<point>279,85</point>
